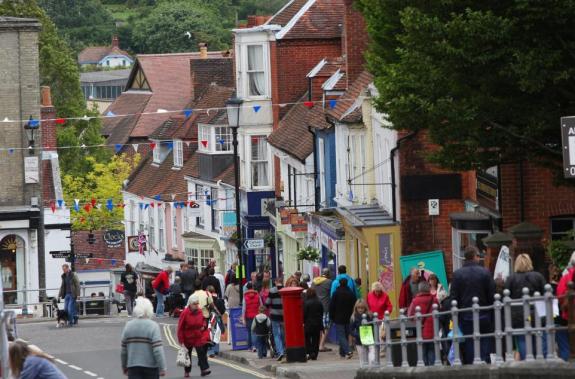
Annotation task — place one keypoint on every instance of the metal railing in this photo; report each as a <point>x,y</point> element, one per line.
<point>538,329</point>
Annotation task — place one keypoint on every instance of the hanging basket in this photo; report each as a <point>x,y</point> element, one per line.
<point>308,254</point>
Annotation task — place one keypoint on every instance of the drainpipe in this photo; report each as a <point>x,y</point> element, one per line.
<point>316,189</point>
<point>392,161</point>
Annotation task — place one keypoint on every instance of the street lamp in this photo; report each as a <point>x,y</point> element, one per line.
<point>233,106</point>
<point>30,127</point>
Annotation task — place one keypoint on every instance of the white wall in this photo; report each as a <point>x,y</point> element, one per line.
<point>115,61</point>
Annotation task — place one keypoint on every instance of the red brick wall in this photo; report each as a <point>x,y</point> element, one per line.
<point>354,41</point>
<point>543,199</point>
<point>48,140</point>
<point>417,232</point>
<point>100,251</point>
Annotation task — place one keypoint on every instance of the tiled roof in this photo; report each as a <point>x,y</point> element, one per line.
<point>227,176</point>
<point>95,54</point>
<point>118,129</point>
<point>168,128</point>
<point>327,67</point>
<point>310,19</point>
<point>104,76</point>
<point>348,107</point>
<point>293,136</point>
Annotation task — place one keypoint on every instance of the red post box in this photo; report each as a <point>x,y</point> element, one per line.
<point>293,324</point>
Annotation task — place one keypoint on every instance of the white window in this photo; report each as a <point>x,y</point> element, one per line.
<point>200,198</point>
<point>321,168</point>
<point>186,226</point>
<point>151,227</point>
<point>243,161</point>
<point>175,228</point>
<point>259,161</point>
<point>161,230</point>
<point>256,71</point>
<point>178,153</point>
<point>132,218</point>
<point>156,154</point>
<point>214,209</point>
<point>141,219</point>
<point>204,138</point>
<point>223,137</point>
<point>201,256</point>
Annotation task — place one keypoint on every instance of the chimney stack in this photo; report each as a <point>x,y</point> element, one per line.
<point>48,112</point>
<point>355,40</point>
<point>115,42</point>
<point>203,50</point>
<point>46,96</point>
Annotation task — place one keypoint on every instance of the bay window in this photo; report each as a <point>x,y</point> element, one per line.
<point>200,198</point>
<point>215,139</point>
<point>255,70</point>
<point>223,137</point>
<point>178,153</point>
<point>259,161</point>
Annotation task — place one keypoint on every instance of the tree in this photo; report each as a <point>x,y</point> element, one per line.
<point>489,80</point>
<point>58,70</point>
<point>102,183</point>
<point>165,28</point>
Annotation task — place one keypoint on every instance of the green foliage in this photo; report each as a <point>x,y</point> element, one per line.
<point>81,23</point>
<point>488,79</point>
<point>560,250</point>
<point>102,183</point>
<point>247,8</point>
<point>308,254</point>
<point>58,70</point>
<point>164,29</point>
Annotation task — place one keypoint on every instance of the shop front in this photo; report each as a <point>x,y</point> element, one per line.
<point>201,249</point>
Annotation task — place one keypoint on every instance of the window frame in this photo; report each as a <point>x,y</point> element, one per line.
<point>200,220</point>
<point>131,218</point>
<point>151,227</point>
<point>161,230</point>
<point>243,77</point>
<point>175,228</point>
<point>560,235</point>
<point>263,160</point>
<point>178,153</point>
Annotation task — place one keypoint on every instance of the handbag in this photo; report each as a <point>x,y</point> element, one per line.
<point>183,358</point>
<point>120,288</point>
<point>215,330</point>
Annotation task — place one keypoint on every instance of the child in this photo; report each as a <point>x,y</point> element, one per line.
<point>366,353</point>
<point>261,330</point>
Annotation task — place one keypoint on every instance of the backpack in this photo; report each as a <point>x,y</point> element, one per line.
<point>261,328</point>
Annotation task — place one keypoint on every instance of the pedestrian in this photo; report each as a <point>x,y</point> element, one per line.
<point>161,286</point>
<point>232,294</point>
<point>378,301</point>
<point>305,279</point>
<point>294,280</point>
<point>425,300</point>
<point>275,306</point>
<point>562,336</point>
<point>366,353</point>
<point>70,291</point>
<point>188,276</point>
<point>409,288</point>
<point>322,287</point>
<point>218,275</point>
<point>473,280</point>
<point>205,299</point>
<point>129,281</point>
<point>193,334</point>
<point>250,307</point>
<point>219,309</point>
<point>142,352</point>
<point>176,296</point>
<point>358,289</point>
<point>435,288</point>
<point>27,362</point>
<point>342,274</point>
<point>260,329</point>
<point>265,292</point>
<point>523,277</point>
<point>229,274</point>
<point>211,280</point>
<point>340,311</point>
<point>253,280</point>
<point>313,323</point>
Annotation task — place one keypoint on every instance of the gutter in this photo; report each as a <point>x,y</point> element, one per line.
<point>392,161</point>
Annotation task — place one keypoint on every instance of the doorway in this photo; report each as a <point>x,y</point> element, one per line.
<point>12,268</point>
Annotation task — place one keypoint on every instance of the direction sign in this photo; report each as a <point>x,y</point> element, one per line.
<point>84,255</point>
<point>60,253</point>
<point>254,244</point>
<point>568,137</point>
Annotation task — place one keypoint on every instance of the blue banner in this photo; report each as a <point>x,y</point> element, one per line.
<point>238,330</point>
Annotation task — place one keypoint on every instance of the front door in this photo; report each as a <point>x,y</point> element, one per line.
<point>463,238</point>
<point>11,252</point>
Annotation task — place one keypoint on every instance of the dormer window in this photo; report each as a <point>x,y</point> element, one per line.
<point>161,151</point>
<point>178,153</point>
<point>215,139</point>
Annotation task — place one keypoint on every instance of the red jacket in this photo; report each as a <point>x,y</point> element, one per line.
<point>164,278</point>
<point>252,302</point>
<point>192,330</point>
<point>562,289</point>
<point>425,302</point>
<point>379,304</point>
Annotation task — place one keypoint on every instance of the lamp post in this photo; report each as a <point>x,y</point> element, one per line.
<point>30,127</point>
<point>233,107</point>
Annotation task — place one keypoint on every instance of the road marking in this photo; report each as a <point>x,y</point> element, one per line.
<point>61,361</point>
<point>90,373</point>
<point>75,367</point>
<point>172,342</point>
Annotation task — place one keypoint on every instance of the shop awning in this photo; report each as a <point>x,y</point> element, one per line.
<point>365,216</point>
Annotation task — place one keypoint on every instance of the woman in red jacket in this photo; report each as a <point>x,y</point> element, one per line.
<point>250,309</point>
<point>425,300</point>
<point>378,301</point>
<point>193,333</point>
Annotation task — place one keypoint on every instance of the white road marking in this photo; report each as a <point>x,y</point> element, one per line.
<point>90,373</point>
<point>61,361</point>
<point>75,367</point>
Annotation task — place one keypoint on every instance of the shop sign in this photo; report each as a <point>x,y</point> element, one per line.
<point>487,189</point>
<point>114,238</point>
<point>298,223</point>
<point>285,215</point>
<point>133,246</point>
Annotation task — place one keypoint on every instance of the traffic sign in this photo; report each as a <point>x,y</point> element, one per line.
<point>568,138</point>
<point>433,207</point>
<point>60,253</point>
<point>254,244</point>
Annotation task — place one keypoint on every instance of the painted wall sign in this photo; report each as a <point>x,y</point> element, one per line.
<point>31,170</point>
<point>114,238</point>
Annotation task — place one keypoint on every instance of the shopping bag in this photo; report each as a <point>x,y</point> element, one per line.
<point>366,335</point>
<point>183,358</point>
<point>215,330</point>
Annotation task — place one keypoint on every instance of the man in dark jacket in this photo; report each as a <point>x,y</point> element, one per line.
<point>70,291</point>
<point>211,280</point>
<point>409,288</point>
<point>188,275</point>
<point>275,306</point>
<point>322,286</point>
<point>473,280</point>
<point>340,311</point>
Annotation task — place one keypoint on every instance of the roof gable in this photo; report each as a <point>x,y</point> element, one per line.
<point>94,54</point>
<point>310,19</point>
<point>348,107</point>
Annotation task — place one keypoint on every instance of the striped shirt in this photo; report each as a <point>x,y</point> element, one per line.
<point>274,304</point>
<point>142,345</point>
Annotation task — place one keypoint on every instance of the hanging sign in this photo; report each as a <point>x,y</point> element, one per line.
<point>114,238</point>
<point>31,170</point>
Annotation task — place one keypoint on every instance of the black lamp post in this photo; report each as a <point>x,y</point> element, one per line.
<point>30,127</point>
<point>233,106</point>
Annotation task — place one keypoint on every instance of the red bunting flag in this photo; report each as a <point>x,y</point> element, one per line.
<point>308,104</point>
<point>205,143</point>
<point>60,121</point>
<point>93,202</point>
<point>53,206</point>
<point>152,146</point>
<point>87,208</point>
<point>152,205</point>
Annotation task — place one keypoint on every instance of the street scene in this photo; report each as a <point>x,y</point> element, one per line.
<point>286,188</point>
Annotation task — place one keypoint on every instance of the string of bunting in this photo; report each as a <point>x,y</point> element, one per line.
<point>187,112</point>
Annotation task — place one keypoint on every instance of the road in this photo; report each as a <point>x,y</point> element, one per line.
<point>92,350</point>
